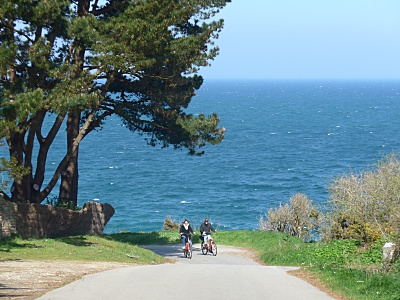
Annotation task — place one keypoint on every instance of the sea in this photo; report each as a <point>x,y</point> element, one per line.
<point>282,137</point>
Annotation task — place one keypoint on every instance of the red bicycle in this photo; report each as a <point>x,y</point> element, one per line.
<point>187,252</point>
<point>210,247</point>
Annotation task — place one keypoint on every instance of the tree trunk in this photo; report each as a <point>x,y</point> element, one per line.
<point>69,177</point>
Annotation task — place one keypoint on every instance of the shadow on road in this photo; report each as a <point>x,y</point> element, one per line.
<point>170,251</point>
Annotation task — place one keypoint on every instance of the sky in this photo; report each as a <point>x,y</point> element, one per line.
<point>308,39</point>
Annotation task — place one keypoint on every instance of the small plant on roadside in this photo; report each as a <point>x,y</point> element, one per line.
<point>336,252</point>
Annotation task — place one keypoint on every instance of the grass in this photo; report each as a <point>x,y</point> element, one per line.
<point>142,238</point>
<point>343,266</point>
<point>77,248</point>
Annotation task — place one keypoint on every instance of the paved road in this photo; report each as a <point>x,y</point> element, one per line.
<point>229,275</point>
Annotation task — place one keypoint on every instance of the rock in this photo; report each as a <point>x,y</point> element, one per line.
<point>37,220</point>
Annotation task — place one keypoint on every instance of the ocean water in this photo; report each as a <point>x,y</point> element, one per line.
<point>282,138</point>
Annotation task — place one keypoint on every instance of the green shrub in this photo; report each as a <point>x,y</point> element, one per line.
<point>55,202</point>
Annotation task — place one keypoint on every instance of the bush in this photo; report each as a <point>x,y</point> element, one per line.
<point>298,218</point>
<point>170,225</point>
<point>55,202</point>
<point>366,206</point>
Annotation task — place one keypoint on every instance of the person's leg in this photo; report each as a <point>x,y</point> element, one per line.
<point>183,239</point>
<point>206,240</point>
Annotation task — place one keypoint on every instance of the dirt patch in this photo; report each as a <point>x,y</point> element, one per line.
<point>25,280</point>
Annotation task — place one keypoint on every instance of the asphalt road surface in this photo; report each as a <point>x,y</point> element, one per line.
<point>229,275</point>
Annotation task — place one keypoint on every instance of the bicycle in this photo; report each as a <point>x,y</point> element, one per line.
<point>211,247</point>
<point>187,252</point>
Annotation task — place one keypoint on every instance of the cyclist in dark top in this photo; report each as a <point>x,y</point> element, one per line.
<point>205,230</point>
<point>185,231</point>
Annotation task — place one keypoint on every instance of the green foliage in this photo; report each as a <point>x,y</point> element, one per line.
<point>372,255</point>
<point>336,252</point>
<point>201,130</point>
<point>56,203</point>
<point>12,169</point>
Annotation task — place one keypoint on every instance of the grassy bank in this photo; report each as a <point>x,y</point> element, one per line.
<point>341,265</point>
<point>77,248</point>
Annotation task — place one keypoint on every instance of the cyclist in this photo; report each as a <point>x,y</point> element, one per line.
<point>185,231</point>
<point>205,230</point>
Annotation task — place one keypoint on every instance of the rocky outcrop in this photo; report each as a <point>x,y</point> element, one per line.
<point>37,220</point>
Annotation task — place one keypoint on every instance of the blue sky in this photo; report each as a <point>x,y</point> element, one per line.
<point>309,39</point>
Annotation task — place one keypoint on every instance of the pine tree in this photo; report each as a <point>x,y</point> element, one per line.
<point>78,62</point>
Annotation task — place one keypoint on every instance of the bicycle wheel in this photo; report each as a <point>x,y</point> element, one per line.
<point>204,249</point>
<point>189,252</point>
<point>214,249</point>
